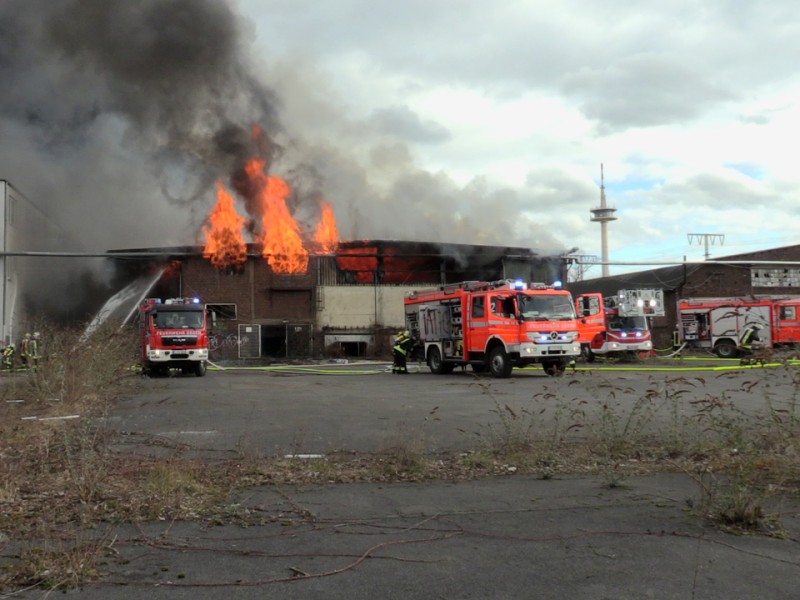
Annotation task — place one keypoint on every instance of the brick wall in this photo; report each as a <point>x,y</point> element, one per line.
<point>200,278</point>
<point>259,294</point>
<point>717,280</point>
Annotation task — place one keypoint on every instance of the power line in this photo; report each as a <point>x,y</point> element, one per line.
<point>704,239</point>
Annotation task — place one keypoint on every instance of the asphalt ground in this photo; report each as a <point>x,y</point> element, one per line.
<point>362,407</point>
<point>507,537</point>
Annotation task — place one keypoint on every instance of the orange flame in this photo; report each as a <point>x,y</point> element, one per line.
<point>225,246</point>
<point>364,268</point>
<point>327,235</point>
<point>281,237</point>
<point>282,244</point>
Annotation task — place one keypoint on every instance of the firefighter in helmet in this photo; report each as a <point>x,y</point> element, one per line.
<point>400,350</point>
<point>749,340</point>
<point>24,350</point>
<point>34,350</point>
<point>8,357</point>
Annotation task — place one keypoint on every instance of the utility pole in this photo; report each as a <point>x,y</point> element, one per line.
<point>704,238</point>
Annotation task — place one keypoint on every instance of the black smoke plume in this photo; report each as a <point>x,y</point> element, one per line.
<point>118,115</point>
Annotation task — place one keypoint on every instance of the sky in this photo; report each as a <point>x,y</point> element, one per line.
<point>691,106</point>
<point>436,120</point>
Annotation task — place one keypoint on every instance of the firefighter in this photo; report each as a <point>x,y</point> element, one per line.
<point>402,346</point>
<point>8,357</point>
<point>24,350</point>
<point>34,350</point>
<point>749,339</point>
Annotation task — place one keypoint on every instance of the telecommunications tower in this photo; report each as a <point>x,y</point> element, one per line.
<point>603,215</point>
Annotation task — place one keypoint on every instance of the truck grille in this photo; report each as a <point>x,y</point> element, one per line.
<point>179,341</point>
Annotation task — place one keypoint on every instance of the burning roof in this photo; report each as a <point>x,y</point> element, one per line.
<point>284,243</point>
<point>389,262</point>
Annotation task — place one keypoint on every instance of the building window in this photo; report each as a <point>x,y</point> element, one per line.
<point>223,312</point>
<point>783,277</point>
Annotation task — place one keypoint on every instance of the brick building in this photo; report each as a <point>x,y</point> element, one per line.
<point>346,304</point>
<point>766,272</point>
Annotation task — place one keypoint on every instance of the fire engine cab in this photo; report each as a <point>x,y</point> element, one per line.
<point>617,325</point>
<point>718,323</point>
<point>174,334</point>
<point>494,326</point>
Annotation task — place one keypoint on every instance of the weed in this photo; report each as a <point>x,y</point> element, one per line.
<point>614,477</point>
<point>618,429</point>
<point>65,562</point>
<point>61,472</point>
<point>404,456</point>
<point>735,501</point>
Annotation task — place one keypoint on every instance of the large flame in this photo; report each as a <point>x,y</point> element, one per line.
<point>280,236</point>
<point>282,244</point>
<point>225,246</point>
<point>326,236</point>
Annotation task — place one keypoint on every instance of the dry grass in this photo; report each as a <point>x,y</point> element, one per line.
<point>61,476</point>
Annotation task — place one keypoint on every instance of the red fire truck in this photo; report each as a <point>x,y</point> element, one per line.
<point>174,335</point>
<point>617,325</point>
<point>718,323</point>
<point>494,325</point>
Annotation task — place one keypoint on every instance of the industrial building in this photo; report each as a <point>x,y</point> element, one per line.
<point>346,304</point>
<point>27,262</point>
<point>773,272</point>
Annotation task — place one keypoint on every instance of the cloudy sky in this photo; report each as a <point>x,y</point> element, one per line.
<point>437,120</point>
<point>510,107</point>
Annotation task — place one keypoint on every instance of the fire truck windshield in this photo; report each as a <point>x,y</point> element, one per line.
<point>543,307</point>
<point>179,319</point>
<point>617,323</point>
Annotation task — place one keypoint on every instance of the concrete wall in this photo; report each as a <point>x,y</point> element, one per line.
<point>12,216</point>
<point>360,307</point>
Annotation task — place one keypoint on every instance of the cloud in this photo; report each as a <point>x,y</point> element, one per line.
<point>418,120</point>
<point>643,91</point>
<point>403,123</point>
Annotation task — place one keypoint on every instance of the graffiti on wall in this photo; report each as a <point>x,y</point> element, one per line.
<point>219,341</point>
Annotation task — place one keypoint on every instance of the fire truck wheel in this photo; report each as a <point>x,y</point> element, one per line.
<point>588,355</point>
<point>725,349</point>
<point>435,363</point>
<point>554,368</point>
<point>200,369</point>
<point>499,364</point>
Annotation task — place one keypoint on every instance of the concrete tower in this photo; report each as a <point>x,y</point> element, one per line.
<point>603,215</point>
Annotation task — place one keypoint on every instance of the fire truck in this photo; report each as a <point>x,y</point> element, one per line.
<point>718,323</point>
<point>617,325</point>
<point>493,326</point>
<point>174,335</point>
